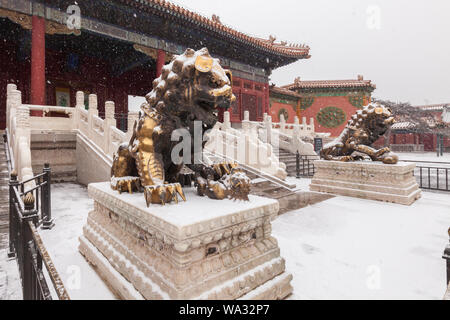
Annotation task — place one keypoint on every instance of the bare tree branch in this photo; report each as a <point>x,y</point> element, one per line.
<point>422,121</point>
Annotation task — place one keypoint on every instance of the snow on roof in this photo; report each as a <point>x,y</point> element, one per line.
<point>402,125</point>
<point>315,84</point>
<point>214,24</point>
<point>434,107</point>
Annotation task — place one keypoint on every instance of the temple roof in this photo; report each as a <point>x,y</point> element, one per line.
<point>279,90</point>
<point>404,125</point>
<point>320,84</point>
<point>214,24</point>
<point>434,107</point>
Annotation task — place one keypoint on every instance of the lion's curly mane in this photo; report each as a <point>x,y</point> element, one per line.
<point>172,91</point>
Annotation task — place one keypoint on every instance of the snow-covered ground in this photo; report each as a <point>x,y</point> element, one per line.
<point>347,248</point>
<point>424,156</point>
<point>70,208</point>
<point>342,248</point>
<point>301,183</point>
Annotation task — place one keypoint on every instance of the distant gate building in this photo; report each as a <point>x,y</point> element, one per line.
<point>330,103</point>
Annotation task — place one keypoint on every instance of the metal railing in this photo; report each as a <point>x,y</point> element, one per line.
<point>432,175</point>
<point>30,207</point>
<point>304,165</point>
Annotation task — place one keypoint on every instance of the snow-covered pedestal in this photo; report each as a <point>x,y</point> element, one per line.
<point>367,180</point>
<point>199,249</point>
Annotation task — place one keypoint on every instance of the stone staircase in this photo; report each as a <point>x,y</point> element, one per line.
<point>4,198</point>
<point>289,159</point>
<point>58,149</point>
<point>288,199</point>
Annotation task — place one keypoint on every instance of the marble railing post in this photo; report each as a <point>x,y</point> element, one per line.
<point>246,121</point>
<point>282,124</point>
<point>312,125</point>
<point>22,152</point>
<point>268,125</point>
<point>9,90</point>
<point>226,120</point>
<point>108,123</point>
<point>15,101</point>
<point>93,110</point>
<point>296,131</point>
<point>78,105</point>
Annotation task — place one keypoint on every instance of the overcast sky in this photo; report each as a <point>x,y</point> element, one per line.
<point>402,46</point>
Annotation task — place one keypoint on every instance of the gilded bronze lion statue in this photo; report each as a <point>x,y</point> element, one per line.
<point>192,87</point>
<point>362,130</point>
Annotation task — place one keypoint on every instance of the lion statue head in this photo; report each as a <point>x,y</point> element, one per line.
<point>370,123</point>
<point>192,87</point>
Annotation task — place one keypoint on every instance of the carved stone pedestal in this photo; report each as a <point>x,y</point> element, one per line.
<point>199,249</point>
<point>367,180</point>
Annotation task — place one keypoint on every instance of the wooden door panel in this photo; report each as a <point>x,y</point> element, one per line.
<point>249,104</point>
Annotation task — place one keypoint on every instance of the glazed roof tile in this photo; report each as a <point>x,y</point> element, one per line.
<point>317,84</point>
<point>293,51</point>
<point>285,92</point>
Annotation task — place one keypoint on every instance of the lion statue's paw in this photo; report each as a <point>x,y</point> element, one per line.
<point>126,184</point>
<point>163,193</point>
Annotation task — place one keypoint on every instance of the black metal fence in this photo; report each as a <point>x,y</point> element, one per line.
<point>304,166</point>
<point>30,207</point>
<point>432,175</point>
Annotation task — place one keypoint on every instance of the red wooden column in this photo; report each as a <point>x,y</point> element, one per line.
<point>38,63</point>
<point>161,60</point>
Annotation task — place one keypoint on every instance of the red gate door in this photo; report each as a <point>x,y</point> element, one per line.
<point>428,142</point>
<point>249,104</point>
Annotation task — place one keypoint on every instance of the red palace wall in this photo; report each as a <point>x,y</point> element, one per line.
<point>319,103</point>
<point>341,102</point>
<point>92,76</point>
<point>428,140</point>
<point>250,95</point>
<point>277,107</point>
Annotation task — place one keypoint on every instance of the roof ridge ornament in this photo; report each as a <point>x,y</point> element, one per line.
<point>216,19</point>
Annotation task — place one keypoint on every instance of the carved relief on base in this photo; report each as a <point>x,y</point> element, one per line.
<point>368,180</point>
<point>163,263</point>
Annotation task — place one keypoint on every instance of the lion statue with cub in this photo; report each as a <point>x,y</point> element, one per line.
<point>192,87</point>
